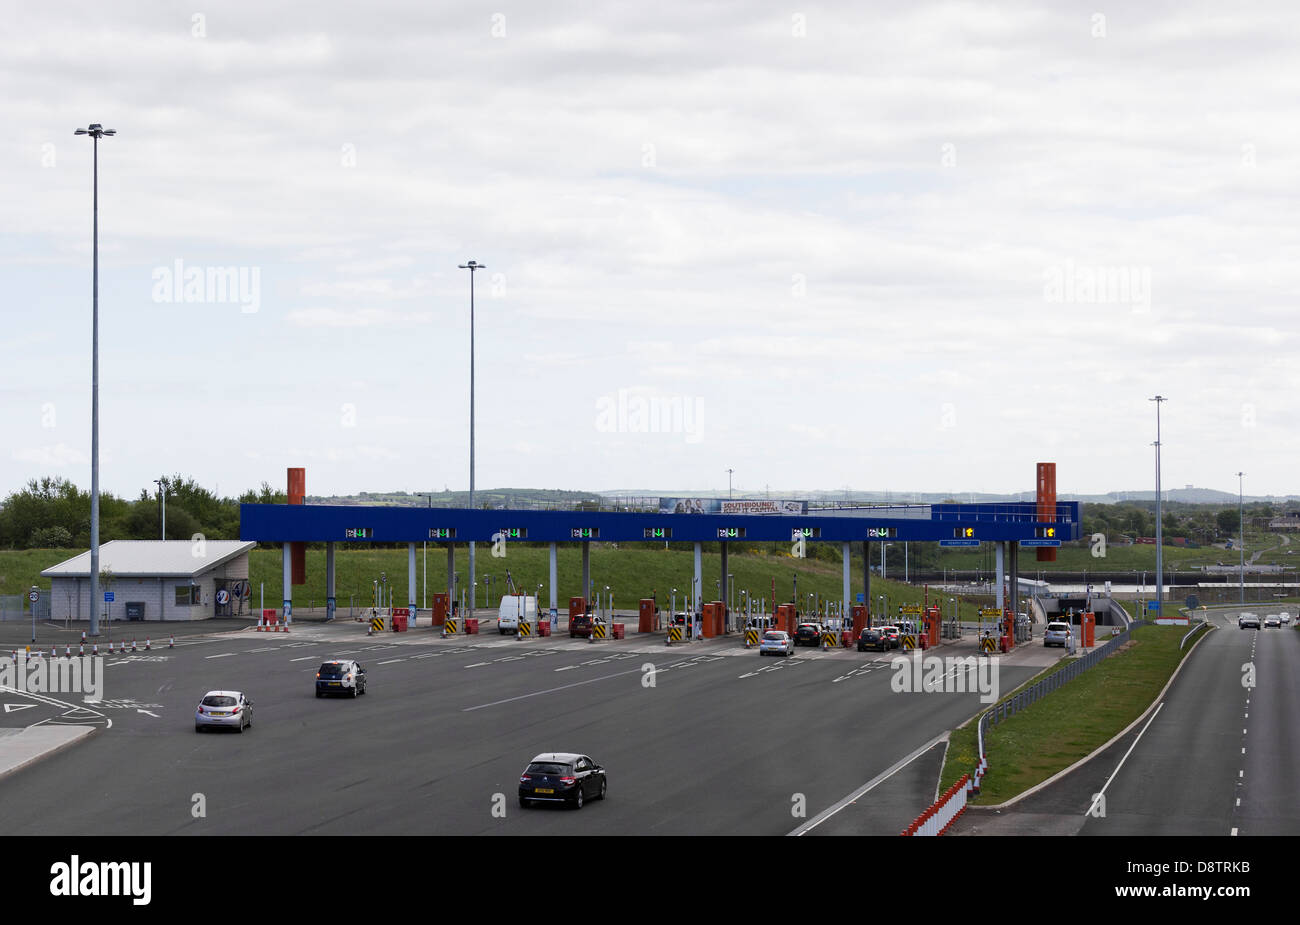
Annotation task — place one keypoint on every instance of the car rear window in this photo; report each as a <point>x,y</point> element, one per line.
<point>333,670</point>
<point>1058,627</point>
<point>774,637</point>
<point>547,769</point>
<point>222,701</point>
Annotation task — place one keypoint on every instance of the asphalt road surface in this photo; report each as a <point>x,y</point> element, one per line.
<point>1218,757</point>
<point>705,738</point>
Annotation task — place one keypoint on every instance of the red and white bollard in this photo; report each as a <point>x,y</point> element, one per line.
<point>148,643</point>
<point>171,642</point>
<point>81,649</point>
<point>132,645</point>
<point>94,650</point>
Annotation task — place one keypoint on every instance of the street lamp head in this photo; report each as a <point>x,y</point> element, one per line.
<point>97,130</point>
<point>472,266</point>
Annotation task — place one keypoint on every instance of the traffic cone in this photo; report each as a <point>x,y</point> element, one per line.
<point>67,651</point>
<point>54,653</point>
<point>148,643</point>
<point>132,645</point>
<point>94,650</point>
<point>83,636</point>
<point>81,649</point>
<point>171,642</point>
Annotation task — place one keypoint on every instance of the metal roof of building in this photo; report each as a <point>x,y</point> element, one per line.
<point>152,558</point>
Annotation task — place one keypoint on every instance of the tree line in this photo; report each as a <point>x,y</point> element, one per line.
<point>53,513</point>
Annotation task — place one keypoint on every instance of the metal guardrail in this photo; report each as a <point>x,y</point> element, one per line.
<point>1030,695</point>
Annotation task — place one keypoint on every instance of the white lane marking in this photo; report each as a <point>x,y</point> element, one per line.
<point>391,661</point>
<point>1238,801</point>
<point>562,687</point>
<point>427,655</point>
<point>478,664</point>
<point>567,668</point>
<point>305,658</point>
<point>1092,807</point>
<point>222,655</point>
<point>879,779</point>
<point>263,649</point>
<point>1234,830</point>
<point>1243,749</point>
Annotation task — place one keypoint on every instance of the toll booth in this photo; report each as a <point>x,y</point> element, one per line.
<point>860,619</point>
<point>787,618</point>
<point>647,612</point>
<point>440,608</point>
<point>577,607</point>
<point>713,622</point>
<point>933,625</point>
<point>1088,629</point>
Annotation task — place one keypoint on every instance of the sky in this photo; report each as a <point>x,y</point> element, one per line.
<point>873,246</point>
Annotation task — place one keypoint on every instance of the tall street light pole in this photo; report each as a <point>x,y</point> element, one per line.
<point>1241,532</point>
<point>162,496</point>
<point>1160,549</point>
<point>729,471</point>
<point>471,266</point>
<point>96,132</point>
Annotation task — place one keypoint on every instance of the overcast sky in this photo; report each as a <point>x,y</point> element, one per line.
<point>876,246</point>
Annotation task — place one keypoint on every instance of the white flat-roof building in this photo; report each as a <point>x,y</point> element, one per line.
<point>156,580</point>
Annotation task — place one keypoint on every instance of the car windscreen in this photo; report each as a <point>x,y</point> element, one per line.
<point>551,770</point>
<point>218,701</point>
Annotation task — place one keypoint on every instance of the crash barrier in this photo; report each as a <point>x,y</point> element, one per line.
<point>471,626</point>
<point>617,629</point>
<point>1200,626</point>
<point>401,618</point>
<point>376,624</point>
<point>525,629</point>
<point>751,638</point>
<point>829,640</point>
<point>674,634</point>
<point>1040,689</point>
<point>543,627</point>
<point>943,812</point>
<point>450,625</point>
<point>598,630</point>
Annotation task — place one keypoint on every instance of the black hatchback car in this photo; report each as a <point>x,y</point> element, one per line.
<point>561,777</point>
<point>873,638</point>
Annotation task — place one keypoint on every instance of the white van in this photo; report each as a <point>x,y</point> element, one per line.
<point>514,606</point>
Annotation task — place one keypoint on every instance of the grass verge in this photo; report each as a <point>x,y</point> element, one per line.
<point>1071,722</point>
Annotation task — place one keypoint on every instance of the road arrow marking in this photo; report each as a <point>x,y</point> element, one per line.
<point>11,707</point>
<point>147,713</point>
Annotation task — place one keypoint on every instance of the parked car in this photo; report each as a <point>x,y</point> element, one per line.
<point>561,777</point>
<point>776,642</point>
<point>1248,619</point>
<point>341,676</point>
<point>873,637</point>
<point>1057,634</point>
<point>224,710</point>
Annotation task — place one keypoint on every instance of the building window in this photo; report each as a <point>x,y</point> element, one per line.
<point>187,595</point>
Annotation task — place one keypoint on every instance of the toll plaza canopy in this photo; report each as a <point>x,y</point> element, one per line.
<point>1028,523</point>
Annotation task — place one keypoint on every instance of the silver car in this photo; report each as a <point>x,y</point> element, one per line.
<point>224,710</point>
<point>776,642</point>
<point>1057,634</point>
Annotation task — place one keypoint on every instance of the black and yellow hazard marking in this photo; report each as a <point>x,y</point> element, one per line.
<point>674,634</point>
<point>525,628</point>
<point>377,624</point>
<point>751,637</point>
<point>908,640</point>
<point>598,630</point>
<point>989,644</point>
<point>449,626</point>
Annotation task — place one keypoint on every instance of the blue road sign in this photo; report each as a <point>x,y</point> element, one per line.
<point>108,597</point>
